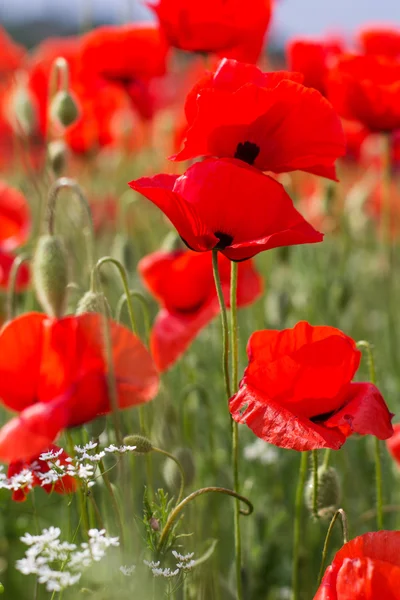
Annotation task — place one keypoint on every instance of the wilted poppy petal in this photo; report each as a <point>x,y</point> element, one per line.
<point>32,431</point>
<point>365,412</point>
<point>20,356</point>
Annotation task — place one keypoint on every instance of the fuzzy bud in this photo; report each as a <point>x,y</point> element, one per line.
<point>143,444</point>
<point>64,109</point>
<point>93,302</point>
<point>329,492</point>
<point>24,110</point>
<point>58,156</point>
<point>50,274</point>
<point>171,471</point>
<point>96,427</point>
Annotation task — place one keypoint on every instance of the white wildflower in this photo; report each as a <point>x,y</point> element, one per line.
<point>51,455</point>
<point>261,451</point>
<point>120,449</point>
<point>127,571</point>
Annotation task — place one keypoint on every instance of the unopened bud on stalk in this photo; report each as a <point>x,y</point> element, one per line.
<point>64,109</point>
<point>58,152</point>
<point>50,274</point>
<point>95,428</point>
<point>329,492</point>
<point>171,472</point>
<point>24,110</point>
<point>143,444</point>
<point>93,302</point>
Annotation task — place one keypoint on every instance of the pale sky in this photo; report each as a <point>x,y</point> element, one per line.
<point>313,17</point>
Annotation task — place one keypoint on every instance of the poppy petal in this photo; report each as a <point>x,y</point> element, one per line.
<point>366,579</point>
<point>23,277</point>
<point>14,217</point>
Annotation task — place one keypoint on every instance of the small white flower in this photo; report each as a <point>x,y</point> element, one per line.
<point>89,446</point>
<point>127,571</point>
<point>51,455</point>
<point>261,451</point>
<point>120,449</point>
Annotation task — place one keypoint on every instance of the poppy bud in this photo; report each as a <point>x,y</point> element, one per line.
<point>93,302</point>
<point>96,427</point>
<point>57,155</point>
<point>329,492</point>
<point>24,110</point>
<point>64,110</point>
<point>171,471</point>
<point>143,444</point>
<point>50,274</point>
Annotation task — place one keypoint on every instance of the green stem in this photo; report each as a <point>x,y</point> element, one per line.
<point>178,509</point>
<point>224,321</point>
<point>181,471</point>
<point>114,502</point>
<point>12,282</point>
<point>386,189</point>
<point>297,526</point>
<point>327,456</point>
<point>377,449</point>
<point>145,308</point>
<point>235,427</point>
<point>339,513</point>
<point>315,483</point>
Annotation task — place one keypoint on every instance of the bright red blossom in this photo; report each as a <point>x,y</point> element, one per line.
<point>54,374</point>
<point>268,120</point>
<point>228,205</point>
<point>367,89</point>
<point>381,40</point>
<point>297,390</point>
<point>226,27</point>
<point>366,568</point>
<point>182,281</point>
<point>11,55</point>
<point>37,466</point>
<point>14,231</point>
<point>313,58</point>
<point>393,443</point>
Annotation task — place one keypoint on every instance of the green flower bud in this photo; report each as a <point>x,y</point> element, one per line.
<point>57,155</point>
<point>329,492</point>
<point>95,428</point>
<point>143,444</point>
<point>93,302</point>
<point>64,110</point>
<point>24,110</point>
<point>50,274</point>
<point>171,472</point>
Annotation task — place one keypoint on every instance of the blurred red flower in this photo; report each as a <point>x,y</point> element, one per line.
<point>14,230</point>
<point>381,40</point>
<point>12,55</point>
<point>366,568</point>
<point>313,58</point>
<point>297,390</point>
<point>182,281</point>
<point>227,27</point>
<point>61,374</point>
<point>367,89</point>
<point>39,467</point>
<point>268,120</point>
<point>393,443</point>
<point>230,206</point>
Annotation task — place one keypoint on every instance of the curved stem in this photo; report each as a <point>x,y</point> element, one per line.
<point>224,321</point>
<point>377,449</point>
<point>181,471</point>
<point>235,428</point>
<point>178,509</point>
<point>145,307</point>
<point>124,279</point>
<point>71,184</point>
<point>315,483</point>
<point>339,513</point>
<point>12,282</point>
<point>297,526</point>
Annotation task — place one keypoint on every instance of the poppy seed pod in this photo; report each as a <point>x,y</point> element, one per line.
<point>171,473</point>
<point>143,444</point>
<point>93,302</point>
<point>57,151</point>
<point>64,109</point>
<point>50,274</point>
<point>329,492</point>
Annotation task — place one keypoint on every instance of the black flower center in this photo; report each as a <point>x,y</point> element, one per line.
<point>225,240</point>
<point>247,151</point>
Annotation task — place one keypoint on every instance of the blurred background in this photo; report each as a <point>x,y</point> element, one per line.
<point>29,22</point>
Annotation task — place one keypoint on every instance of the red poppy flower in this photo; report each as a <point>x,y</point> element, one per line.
<point>381,40</point>
<point>14,230</point>
<point>228,205</point>
<point>313,58</point>
<point>269,120</point>
<point>366,568</point>
<point>62,377</point>
<point>39,468</point>
<point>367,89</point>
<point>182,281</point>
<point>226,27</point>
<point>297,391</point>
<point>11,55</point>
<point>393,443</point>
<point>124,53</point>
